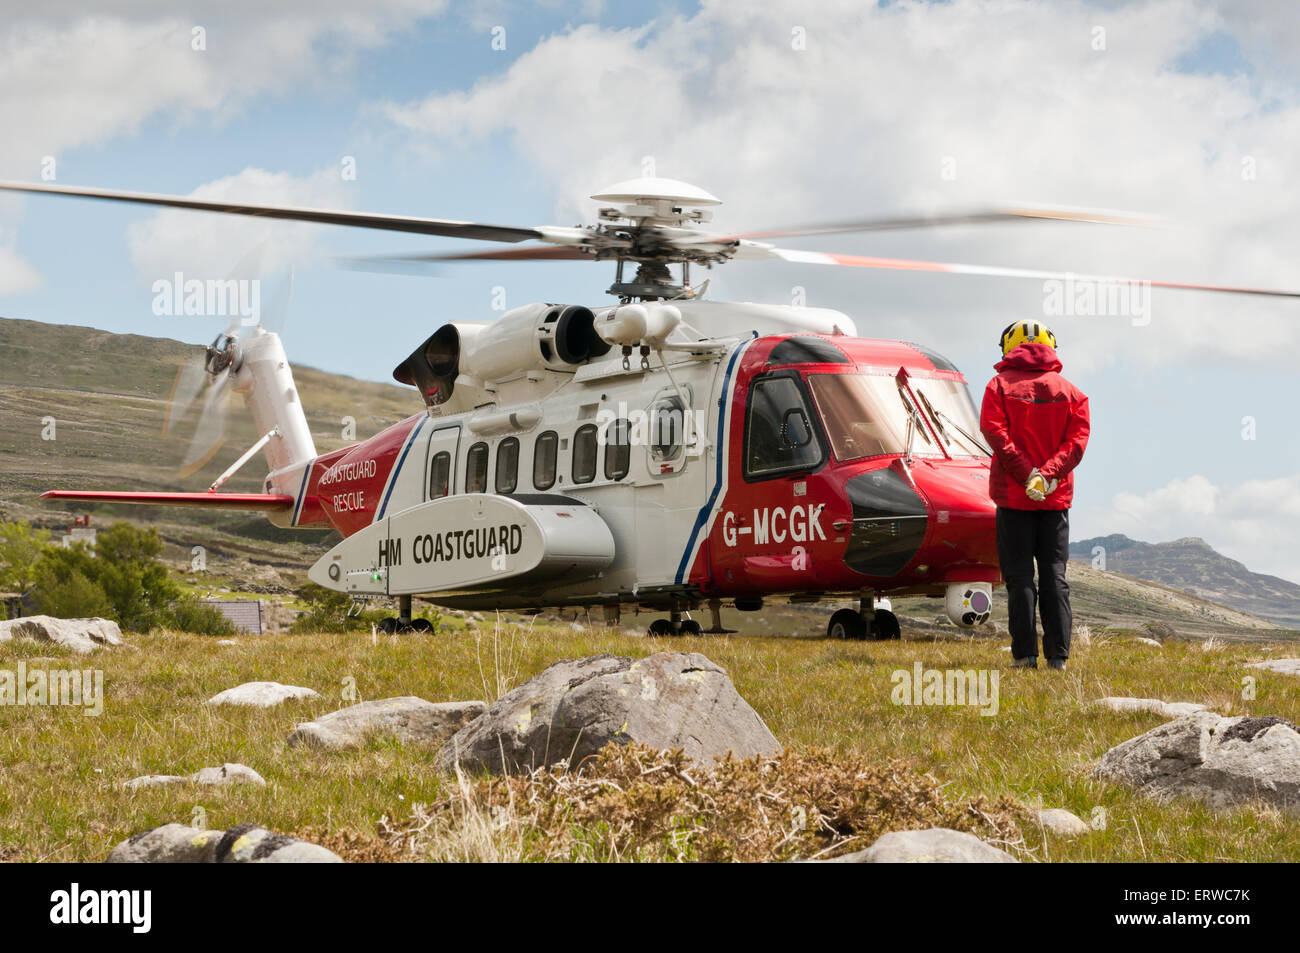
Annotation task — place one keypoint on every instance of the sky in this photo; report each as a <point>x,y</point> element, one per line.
<point>790,112</point>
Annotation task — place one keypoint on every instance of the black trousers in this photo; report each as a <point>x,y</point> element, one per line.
<point>1026,537</point>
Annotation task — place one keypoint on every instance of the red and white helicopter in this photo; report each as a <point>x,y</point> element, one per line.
<point>666,452</point>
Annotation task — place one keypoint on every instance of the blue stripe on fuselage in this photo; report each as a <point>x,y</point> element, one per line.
<point>705,510</point>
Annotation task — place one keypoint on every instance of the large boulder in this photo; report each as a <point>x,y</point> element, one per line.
<point>576,707</point>
<point>411,720</point>
<point>260,694</point>
<point>245,844</point>
<point>937,845</point>
<point>1220,761</point>
<point>82,636</point>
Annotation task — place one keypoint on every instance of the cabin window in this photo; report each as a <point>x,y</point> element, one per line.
<point>507,465</point>
<point>476,468</point>
<point>779,433</point>
<point>440,475</point>
<point>667,429</point>
<point>618,450</point>
<point>584,454</point>
<point>544,457</point>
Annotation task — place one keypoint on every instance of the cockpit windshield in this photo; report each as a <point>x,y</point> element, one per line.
<point>867,415</point>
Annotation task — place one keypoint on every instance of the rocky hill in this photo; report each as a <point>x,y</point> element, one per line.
<point>1193,566</point>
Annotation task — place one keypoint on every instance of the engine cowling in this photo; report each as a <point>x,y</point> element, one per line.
<point>530,338</point>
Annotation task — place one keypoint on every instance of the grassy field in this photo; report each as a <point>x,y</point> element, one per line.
<point>60,794</point>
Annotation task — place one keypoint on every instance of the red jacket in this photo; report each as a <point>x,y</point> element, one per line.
<point>1033,417</point>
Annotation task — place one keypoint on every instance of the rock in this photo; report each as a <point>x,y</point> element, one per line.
<point>1287,666</point>
<point>82,636</point>
<point>208,777</point>
<point>252,844</point>
<point>1168,709</point>
<point>226,642</point>
<point>410,719</point>
<point>1146,641</point>
<point>1219,761</point>
<point>154,781</point>
<point>260,694</point>
<point>245,844</point>
<point>938,845</point>
<point>575,707</point>
<point>1059,821</point>
<point>169,844</point>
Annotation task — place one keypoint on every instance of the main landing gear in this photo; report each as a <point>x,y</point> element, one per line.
<point>872,620</point>
<point>675,625</point>
<point>402,623</point>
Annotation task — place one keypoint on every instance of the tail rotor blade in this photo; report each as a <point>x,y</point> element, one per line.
<point>210,430</point>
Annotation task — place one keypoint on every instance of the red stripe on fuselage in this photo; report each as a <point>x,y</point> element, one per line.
<point>346,487</point>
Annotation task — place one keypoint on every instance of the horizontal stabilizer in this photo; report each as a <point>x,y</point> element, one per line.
<point>215,501</point>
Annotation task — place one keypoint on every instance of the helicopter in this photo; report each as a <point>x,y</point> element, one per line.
<point>664,452</point>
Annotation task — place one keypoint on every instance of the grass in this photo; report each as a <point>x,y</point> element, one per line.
<point>60,794</point>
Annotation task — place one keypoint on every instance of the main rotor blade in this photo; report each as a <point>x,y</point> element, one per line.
<point>761,253</point>
<point>448,228</point>
<point>973,217</point>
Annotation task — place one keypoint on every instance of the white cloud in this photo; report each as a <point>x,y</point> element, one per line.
<point>861,121</point>
<point>1256,521</point>
<point>16,274</point>
<point>74,80</point>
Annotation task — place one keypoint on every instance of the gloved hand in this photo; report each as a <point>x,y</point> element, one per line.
<point>1036,486</point>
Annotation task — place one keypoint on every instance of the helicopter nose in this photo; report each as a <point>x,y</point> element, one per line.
<point>895,507</point>
<point>889,522</point>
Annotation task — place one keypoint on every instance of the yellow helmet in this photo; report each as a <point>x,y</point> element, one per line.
<point>1025,332</point>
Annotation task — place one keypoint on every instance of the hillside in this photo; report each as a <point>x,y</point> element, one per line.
<point>1192,565</point>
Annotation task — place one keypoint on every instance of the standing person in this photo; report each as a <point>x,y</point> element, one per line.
<point>1036,421</point>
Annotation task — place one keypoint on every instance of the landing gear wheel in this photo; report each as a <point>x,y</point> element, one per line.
<point>422,625</point>
<point>846,624</point>
<point>690,627</point>
<point>661,627</point>
<point>885,626</point>
<point>388,626</point>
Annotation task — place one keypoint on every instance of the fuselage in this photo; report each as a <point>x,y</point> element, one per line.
<point>785,465</point>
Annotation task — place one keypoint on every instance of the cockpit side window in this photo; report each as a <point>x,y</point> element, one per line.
<point>780,436</point>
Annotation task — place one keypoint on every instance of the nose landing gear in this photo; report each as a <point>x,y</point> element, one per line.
<point>402,623</point>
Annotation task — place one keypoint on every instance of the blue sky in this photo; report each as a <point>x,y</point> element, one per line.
<point>1162,118</point>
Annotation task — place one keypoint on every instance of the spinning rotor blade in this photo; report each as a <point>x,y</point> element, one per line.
<point>210,429</point>
<point>189,381</point>
<point>973,217</point>
<point>410,263</point>
<point>448,228</point>
<point>748,252</point>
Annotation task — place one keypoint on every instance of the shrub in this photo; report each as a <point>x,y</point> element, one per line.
<point>190,615</point>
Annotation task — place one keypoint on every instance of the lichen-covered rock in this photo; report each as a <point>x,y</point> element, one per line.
<point>576,707</point>
<point>411,720</point>
<point>260,694</point>
<point>1219,761</point>
<point>169,844</point>
<point>937,845</point>
<point>245,844</point>
<point>252,844</point>
<point>82,636</point>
